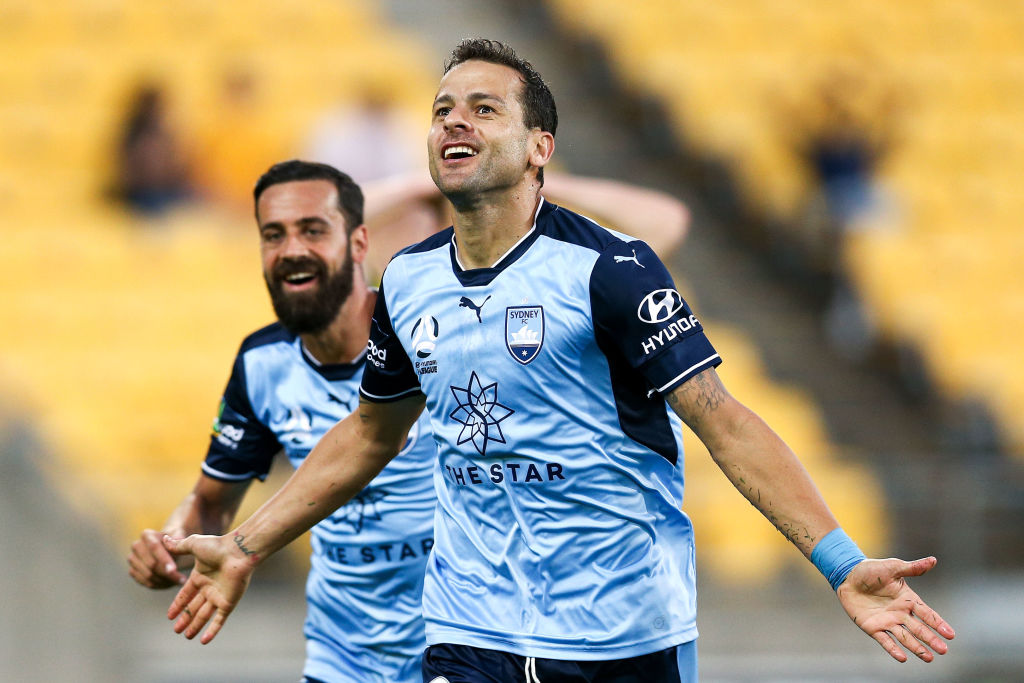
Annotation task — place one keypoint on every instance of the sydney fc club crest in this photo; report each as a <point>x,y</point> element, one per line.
<point>524,332</point>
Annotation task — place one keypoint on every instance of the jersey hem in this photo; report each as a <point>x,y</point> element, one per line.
<point>224,476</point>
<point>532,648</point>
<point>373,398</point>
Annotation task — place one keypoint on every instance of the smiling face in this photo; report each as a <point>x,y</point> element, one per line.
<point>478,141</point>
<point>308,258</point>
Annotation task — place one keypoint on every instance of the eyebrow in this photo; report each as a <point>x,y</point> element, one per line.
<point>472,97</point>
<point>305,220</point>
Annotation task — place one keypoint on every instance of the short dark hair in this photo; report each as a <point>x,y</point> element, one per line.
<point>350,197</point>
<point>538,103</point>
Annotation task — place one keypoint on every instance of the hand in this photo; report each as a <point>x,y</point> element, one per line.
<point>878,599</point>
<point>150,564</point>
<point>214,587</point>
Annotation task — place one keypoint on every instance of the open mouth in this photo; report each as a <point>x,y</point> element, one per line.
<point>458,152</point>
<point>299,279</point>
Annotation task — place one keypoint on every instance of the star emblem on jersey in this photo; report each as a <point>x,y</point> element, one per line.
<point>524,332</point>
<point>361,508</point>
<point>479,413</point>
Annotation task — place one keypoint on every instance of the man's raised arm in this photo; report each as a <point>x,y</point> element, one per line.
<point>345,460</point>
<point>761,466</point>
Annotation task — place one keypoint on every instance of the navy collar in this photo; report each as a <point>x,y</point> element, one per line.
<point>332,372</point>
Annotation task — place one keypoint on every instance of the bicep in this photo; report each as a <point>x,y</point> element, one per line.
<point>384,426</point>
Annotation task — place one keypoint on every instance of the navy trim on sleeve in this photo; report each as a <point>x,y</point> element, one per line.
<point>389,375</point>
<point>242,447</point>
<point>651,339</point>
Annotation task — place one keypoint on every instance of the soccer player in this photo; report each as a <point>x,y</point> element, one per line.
<point>294,379</point>
<point>562,363</point>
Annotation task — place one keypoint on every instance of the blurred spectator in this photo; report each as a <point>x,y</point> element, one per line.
<point>371,138</point>
<point>152,173</point>
<point>238,140</point>
<point>845,146</point>
<point>842,130</point>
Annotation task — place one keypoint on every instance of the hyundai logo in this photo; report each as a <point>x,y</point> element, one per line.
<point>659,306</point>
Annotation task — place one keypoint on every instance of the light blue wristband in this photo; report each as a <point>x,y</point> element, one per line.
<point>835,556</point>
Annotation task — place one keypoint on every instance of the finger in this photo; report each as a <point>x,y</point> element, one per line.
<point>181,600</point>
<point>907,640</point>
<point>927,636</point>
<point>889,645</point>
<point>932,618</point>
<point>141,549</point>
<point>202,616</point>
<point>915,568</point>
<point>190,614</point>
<point>137,568</point>
<point>215,625</point>
<point>144,575</point>
<point>164,563</point>
<point>178,546</point>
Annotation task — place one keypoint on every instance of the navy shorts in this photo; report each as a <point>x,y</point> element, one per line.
<point>465,664</point>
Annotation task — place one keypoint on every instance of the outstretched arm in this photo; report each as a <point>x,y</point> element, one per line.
<point>207,509</point>
<point>658,219</point>
<point>344,461</point>
<point>763,468</point>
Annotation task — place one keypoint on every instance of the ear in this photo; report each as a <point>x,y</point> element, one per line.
<point>359,243</point>
<point>542,149</point>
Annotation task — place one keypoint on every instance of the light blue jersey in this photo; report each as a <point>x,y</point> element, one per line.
<point>364,619</point>
<point>559,532</point>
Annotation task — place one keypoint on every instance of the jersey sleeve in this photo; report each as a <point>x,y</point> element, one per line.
<point>388,374</point>
<point>639,314</point>
<point>241,447</point>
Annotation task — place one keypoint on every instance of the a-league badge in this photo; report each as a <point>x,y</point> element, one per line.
<point>524,332</point>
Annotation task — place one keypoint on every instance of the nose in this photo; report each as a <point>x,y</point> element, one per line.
<point>293,246</point>
<point>456,120</point>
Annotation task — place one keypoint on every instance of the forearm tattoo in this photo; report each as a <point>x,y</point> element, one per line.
<point>797,535</point>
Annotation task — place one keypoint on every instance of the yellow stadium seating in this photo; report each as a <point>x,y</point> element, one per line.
<point>955,70</point>
<point>118,333</point>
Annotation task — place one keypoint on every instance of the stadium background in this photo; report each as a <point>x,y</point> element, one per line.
<point>904,397</point>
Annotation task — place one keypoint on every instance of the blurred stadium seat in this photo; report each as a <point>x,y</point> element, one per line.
<point>118,333</point>
<point>949,251</point>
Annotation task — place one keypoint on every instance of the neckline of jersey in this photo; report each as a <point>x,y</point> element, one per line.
<point>331,371</point>
<point>478,277</point>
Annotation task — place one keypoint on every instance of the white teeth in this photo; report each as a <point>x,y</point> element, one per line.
<point>459,149</point>
<point>297,276</point>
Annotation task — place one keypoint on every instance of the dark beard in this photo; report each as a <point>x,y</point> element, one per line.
<point>310,312</point>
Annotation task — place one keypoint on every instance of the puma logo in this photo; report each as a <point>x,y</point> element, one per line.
<point>466,302</point>
<point>623,259</point>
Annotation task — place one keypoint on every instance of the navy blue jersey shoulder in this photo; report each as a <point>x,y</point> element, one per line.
<point>241,446</point>
<point>568,226</point>
<point>435,241</point>
<point>272,333</point>
<point>236,394</point>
